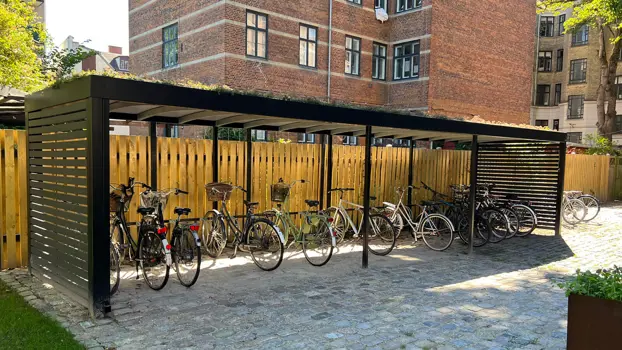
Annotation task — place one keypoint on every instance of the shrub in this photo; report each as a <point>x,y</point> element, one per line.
<point>604,284</point>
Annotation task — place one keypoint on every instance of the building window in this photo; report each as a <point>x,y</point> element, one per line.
<point>546,25</point>
<point>358,2</point>
<point>353,55</point>
<point>543,94</point>
<point>545,61</point>
<point>618,87</point>
<point>406,61</point>
<point>575,107</point>
<point>256,34</point>
<point>308,138</point>
<point>169,46</point>
<point>560,60</point>
<point>618,124</point>
<point>381,4</point>
<point>578,71</point>
<point>542,123</point>
<point>258,135</point>
<point>556,124</point>
<point>308,45</point>
<point>350,140</point>
<point>558,95</point>
<point>575,137</point>
<point>560,24</point>
<point>405,5</point>
<point>379,62</point>
<point>581,36</point>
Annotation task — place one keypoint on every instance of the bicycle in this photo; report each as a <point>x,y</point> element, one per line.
<point>573,209</point>
<point>151,250</point>
<point>185,248</point>
<point>315,233</point>
<point>381,239</point>
<point>433,228</point>
<point>258,235</point>
<point>592,204</point>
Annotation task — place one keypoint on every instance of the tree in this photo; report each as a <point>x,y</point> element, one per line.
<point>22,39</point>
<point>601,145</point>
<point>58,63</point>
<point>606,17</point>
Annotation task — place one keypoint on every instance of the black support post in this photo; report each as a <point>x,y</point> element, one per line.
<point>215,159</point>
<point>322,169</point>
<point>560,188</point>
<point>473,192</point>
<point>153,154</point>
<point>366,194</point>
<point>329,169</point>
<point>249,163</point>
<point>411,155</point>
<point>98,182</point>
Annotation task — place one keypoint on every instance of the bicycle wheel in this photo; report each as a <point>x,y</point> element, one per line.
<point>115,269</point>
<point>317,244</point>
<point>437,232</point>
<point>593,206</point>
<point>574,211</point>
<point>186,254</point>
<point>152,258</point>
<point>460,223</point>
<point>526,219</point>
<point>512,221</point>
<point>398,222</point>
<point>264,244</point>
<point>340,225</point>
<point>499,224</point>
<point>381,239</point>
<point>117,238</point>
<point>481,234</point>
<point>213,234</point>
<point>280,223</point>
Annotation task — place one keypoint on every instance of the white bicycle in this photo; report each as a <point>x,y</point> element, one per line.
<point>381,239</point>
<point>435,229</point>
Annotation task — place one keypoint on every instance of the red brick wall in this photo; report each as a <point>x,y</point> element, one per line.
<point>482,58</point>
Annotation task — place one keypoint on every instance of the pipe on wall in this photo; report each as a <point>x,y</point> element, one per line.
<point>330,46</point>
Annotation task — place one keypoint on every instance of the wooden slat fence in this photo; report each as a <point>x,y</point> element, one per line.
<point>186,163</point>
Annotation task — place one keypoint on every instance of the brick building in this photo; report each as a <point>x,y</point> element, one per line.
<point>451,57</point>
<point>567,79</point>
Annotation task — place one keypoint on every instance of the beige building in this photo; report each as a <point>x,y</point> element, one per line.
<point>566,79</point>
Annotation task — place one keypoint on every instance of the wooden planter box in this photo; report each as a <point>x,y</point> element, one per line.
<point>594,323</point>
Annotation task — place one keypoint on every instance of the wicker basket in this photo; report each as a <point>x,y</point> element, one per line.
<point>115,200</point>
<point>218,191</point>
<point>151,199</point>
<point>279,192</point>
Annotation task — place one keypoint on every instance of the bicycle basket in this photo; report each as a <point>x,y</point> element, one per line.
<point>279,192</point>
<point>115,200</point>
<point>218,191</point>
<point>151,199</point>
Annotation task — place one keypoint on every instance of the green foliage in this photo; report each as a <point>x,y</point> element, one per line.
<point>227,134</point>
<point>21,42</point>
<point>600,145</point>
<point>58,63</point>
<point>604,284</point>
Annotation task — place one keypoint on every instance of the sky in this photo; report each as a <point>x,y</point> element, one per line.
<point>104,22</point>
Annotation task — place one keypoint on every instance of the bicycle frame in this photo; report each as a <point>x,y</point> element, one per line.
<point>233,225</point>
<point>359,208</point>
<point>416,223</point>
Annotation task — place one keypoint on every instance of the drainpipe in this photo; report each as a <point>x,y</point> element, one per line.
<point>330,45</point>
<point>535,72</point>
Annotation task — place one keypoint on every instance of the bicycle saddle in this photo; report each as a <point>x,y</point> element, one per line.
<point>372,198</point>
<point>312,203</point>
<point>428,203</point>
<point>250,204</point>
<point>181,211</point>
<point>145,210</point>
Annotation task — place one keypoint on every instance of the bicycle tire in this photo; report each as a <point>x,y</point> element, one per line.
<point>213,233</point>
<point>185,246</point>
<point>151,252</point>
<point>118,239</point>
<point>593,206</point>
<point>512,221</point>
<point>398,222</point>
<point>340,225</point>
<point>460,223</point>
<point>320,238</point>
<point>263,242</point>
<point>115,269</point>
<point>573,211</point>
<point>444,236</point>
<point>280,223</point>
<point>526,219</point>
<point>481,234</point>
<point>383,232</point>
<point>499,224</point>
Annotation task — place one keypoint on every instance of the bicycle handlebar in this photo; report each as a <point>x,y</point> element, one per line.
<point>340,189</point>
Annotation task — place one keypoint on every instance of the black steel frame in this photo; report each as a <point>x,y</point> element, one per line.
<point>99,91</point>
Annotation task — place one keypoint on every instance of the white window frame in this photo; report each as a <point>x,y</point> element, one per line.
<point>412,60</point>
<point>306,138</point>
<point>254,31</point>
<point>352,55</point>
<point>407,5</point>
<point>379,62</point>
<point>350,140</point>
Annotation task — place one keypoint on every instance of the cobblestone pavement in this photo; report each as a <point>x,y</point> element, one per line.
<point>502,297</point>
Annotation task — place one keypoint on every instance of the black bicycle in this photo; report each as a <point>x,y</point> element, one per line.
<point>260,236</point>
<point>185,248</point>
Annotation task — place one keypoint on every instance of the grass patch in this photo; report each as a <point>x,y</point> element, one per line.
<point>23,327</point>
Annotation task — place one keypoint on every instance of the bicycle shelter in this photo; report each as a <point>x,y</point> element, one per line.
<point>69,161</point>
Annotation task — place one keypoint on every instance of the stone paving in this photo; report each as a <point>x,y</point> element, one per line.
<point>502,297</point>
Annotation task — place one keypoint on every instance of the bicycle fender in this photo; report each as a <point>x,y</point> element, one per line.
<point>333,239</point>
<point>169,260</point>
<point>196,238</point>
<point>278,231</point>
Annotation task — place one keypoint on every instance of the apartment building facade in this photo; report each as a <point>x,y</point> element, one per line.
<point>423,55</point>
<point>567,76</point>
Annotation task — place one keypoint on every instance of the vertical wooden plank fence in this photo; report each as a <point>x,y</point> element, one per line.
<point>186,163</point>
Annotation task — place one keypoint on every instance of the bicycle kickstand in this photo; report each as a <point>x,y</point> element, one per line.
<point>137,270</point>
<point>235,251</point>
